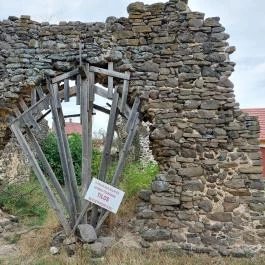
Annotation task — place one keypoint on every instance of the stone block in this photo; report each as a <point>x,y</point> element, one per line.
<point>164,200</point>
<point>156,235</point>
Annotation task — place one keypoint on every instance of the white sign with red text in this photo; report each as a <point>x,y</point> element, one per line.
<point>104,195</point>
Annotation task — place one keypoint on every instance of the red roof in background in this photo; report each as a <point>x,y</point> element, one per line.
<point>260,113</point>
<point>73,127</point>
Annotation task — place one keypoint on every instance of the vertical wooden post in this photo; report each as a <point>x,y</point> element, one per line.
<point>124,92</point>
<point>66,90</point>
<point>63,156</point>
<point>110,81</point>
<point>78,84</point>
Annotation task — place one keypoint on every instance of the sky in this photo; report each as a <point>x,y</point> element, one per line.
<point>243,20</point>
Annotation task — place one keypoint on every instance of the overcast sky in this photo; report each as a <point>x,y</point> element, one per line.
<point>243,20</point>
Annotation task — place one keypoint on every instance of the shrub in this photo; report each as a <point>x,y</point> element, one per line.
<point>51,152</point>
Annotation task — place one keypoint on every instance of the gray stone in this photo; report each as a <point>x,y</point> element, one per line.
<point>193,185</point>
<point>191,171</point>
<point>206,205</point>
<point>160,186</point>
<point>156,235</point>
<point>164,200</point>
<point>87,233</point>
<point>220,216</point>
<point>145,195</point>
<point>96,249</point>
<point>210,105</point>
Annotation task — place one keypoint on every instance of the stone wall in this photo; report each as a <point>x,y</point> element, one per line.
<point>209,196</point>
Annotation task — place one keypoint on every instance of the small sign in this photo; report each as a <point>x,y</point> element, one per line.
<point>104,195</point>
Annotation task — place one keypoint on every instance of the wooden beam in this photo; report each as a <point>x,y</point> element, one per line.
<point>107,150</point>
<point>108,72</point>
<point>109,138</point>
<point>78,89</point>
<point>61,77</point>
<point>48,169</point>
<point>125,150</point>
<point>66,90</point>
<point>41,95</point>
<point>135,107</point>
<point>28,117</point>
<point>110,81</point>
<point>124,93</point>
<point>63,157</point>
<point>41,178</point>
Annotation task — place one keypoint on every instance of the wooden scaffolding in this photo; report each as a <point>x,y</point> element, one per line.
<point>67,202</point>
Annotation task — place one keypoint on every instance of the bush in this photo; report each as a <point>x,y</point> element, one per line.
<point>50,149</point>
<point>137,176</point>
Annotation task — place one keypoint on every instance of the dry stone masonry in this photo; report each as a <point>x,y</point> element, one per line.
<point>209,196</point>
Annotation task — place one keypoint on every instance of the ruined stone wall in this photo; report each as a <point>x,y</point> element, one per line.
<point>209,196</point>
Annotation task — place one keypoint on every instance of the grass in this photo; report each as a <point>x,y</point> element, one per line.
<point>137,176</point>
<point>25,200</point>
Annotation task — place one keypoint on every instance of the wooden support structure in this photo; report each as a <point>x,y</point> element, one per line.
<point>42,180</point>
<point>67,202</point>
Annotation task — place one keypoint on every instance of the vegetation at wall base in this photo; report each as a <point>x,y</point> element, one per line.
<point>25,200</point>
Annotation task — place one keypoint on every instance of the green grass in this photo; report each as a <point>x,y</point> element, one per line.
<point>25,200</point>
<point>137,176</point>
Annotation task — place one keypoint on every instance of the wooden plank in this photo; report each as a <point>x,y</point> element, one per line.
<point>124,93</point>
<point>72,175</point>
<point>48,169</point>
<point>41,95</point>
<point>78,89</point>
<point>85,133</point>
<point>28,117</point>
<point>106,151</point>
<point>63,156</point>
<point>109,138</point>
<point>101,91</point>
<point>61,77</point>
<point>127,110</point>
<point>110,81</point>
<point>66,90</point>
<point>135,107</point>
<point>86,179</point>
<point>124,151</point>
<point>91,94</point>
<point>108,72</point>
<point>41,178</point>
<point>33,97</point>
<point>56,96</point>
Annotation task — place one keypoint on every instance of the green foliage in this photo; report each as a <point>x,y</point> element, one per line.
<point>25,200</point>
<point>51,152</point>
<point>137,176</point>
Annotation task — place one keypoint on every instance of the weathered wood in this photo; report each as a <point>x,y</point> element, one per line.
<point>107,150</point>
<point>101,91</point>
<point>109,73</point>
<point>42,95</point>
<point>48,169</point>
<point>124,93</point>
<point>85,132</point>
<point>110,81</point>
<point>61,77</point>
<point>91,93</point>
<point>33,96</point>
<point>125,151</point>
<point>78,89</point>
<point>89,116</point>
<point>135,107</point>
<point>72,175</point>
<point>63,157</point>
<point>109,138</point>
<point>41,178</point>
<point>28,117</point>
<point>66,90</point>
